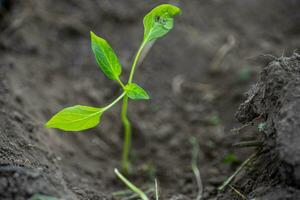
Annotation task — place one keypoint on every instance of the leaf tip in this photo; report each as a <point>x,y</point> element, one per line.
<point>92,33</point>
<point>177,10</point>
<point>147,97</point>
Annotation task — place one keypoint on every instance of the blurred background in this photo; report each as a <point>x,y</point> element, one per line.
<point>196,76</point>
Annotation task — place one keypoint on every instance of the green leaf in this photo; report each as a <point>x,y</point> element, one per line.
<point>76,118</point>
<point>135,92</point>
<point>106,57</point>
<point>42,197</point>
<point>159,21</point>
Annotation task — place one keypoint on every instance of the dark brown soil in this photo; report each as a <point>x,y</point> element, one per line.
<point>275,98</point>
<point>46,64</point>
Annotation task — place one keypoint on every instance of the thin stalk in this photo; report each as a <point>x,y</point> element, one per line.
<point>238,192</point>
<point>121,83</point>
<point>156,190</point>
<point>253,143</point>
<point>125,120</point>
<point>135,61</point>
<point>127,136</point>
<point>131,186</point>
<point>114,102</point>
<point>196,171</point>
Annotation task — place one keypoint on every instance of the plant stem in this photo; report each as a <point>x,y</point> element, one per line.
<point>121,83</point>
<point>131,186</point>
<point>127,136</point>
<point>125,121</point>
<point>114,102</point>
<point>137,56</point>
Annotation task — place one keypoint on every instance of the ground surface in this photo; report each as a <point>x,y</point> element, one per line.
<point>46,64</point>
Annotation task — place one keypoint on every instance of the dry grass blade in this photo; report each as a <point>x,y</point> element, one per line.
<point>196,171</point>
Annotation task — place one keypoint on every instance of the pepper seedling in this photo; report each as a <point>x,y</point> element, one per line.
<point>157,23</point>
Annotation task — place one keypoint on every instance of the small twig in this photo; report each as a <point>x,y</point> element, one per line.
<point>196,171</point>
<point>270,56</point>
<point>238,192</point>
<point>228,180</point>
<point>253,143</point>
<point>222,52</point>
<point>237,130</point>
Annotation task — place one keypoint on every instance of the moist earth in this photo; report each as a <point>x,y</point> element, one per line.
<point>196,76</point>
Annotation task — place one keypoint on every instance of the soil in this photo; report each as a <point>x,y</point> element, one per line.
<point>275,99</point>
<point>46,64</point>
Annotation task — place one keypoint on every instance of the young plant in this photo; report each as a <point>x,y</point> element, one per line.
<point>157,23</point>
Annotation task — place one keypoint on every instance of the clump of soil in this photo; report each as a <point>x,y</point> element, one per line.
<point>46,64</point>
<point>275,98</point>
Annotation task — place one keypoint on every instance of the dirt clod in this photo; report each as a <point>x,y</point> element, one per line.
<point>276,96</point>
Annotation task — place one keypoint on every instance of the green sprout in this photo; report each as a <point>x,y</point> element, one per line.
<point>157,23</point>
<point>132,187</point>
